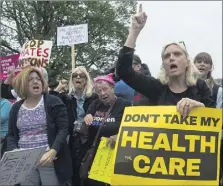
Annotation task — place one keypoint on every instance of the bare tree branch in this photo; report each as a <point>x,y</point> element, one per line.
<point>8,47</point>
<point>8,27</point>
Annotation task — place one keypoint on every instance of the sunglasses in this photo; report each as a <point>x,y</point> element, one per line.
<point>75,75</point>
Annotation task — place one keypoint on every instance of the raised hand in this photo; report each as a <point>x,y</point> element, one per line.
<point>139,19</point>
<point>138,22</point>
<point>62,85</point>
<point>64,82</point>
<point>10,74</point>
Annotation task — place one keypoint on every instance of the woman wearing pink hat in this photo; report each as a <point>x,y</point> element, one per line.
<point>97,111</point>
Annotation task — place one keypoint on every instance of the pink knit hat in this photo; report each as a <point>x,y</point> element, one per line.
<point>107,78</point>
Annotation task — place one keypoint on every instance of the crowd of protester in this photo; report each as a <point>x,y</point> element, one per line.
<point>65,116</point>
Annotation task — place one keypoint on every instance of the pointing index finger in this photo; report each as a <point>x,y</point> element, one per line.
<point>140,8</point>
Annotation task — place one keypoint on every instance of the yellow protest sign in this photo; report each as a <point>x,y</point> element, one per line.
<point>156,146</point>
<point>102,167</point>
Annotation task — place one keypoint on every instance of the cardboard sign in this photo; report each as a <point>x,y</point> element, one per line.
<point>157,146</point>
<point>102,167</point>
<point>6,62</point>
<point>70,35</point>
<point>36,53</point>
<point>16,165</point>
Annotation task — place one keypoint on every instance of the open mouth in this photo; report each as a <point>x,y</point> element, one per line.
<point>201,69</point>
<point>105,98</point>
<point>173,67</point>
<point>36,88</point>
<point>78,82</point>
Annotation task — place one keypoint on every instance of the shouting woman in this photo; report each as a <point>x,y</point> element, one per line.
<point>77,102</point>
<point>40,120</point>
<point>178,83</point>
<point>98,110</point>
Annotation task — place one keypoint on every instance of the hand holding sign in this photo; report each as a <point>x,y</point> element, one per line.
<point>48,157</point>
<point>139,19</point>
<point>185,105</point>
<point>111,141</point>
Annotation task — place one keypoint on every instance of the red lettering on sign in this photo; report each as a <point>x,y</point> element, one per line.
<point>39,52</point>
<point>46,52</point>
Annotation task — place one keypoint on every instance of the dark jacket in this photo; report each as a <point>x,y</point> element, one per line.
<point>57,131</point>
<point>139,99</point>
<point>77,147</point>
<point>151,87</point>
<point>6,91</point>
<point>145,69</point>
<point>110,127</point>
<point>71,105</point>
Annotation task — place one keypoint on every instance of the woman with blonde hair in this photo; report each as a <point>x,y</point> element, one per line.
<point>7,91</point>
<point>77,102</point>
<point>40,120</point>
<point>75,83</point>
<point>178,84</point>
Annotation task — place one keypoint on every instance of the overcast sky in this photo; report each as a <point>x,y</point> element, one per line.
<point>197,23</point>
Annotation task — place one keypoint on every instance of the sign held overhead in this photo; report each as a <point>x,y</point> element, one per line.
<point>72,35</point>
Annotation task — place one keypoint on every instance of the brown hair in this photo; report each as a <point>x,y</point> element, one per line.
<point>203,56</point>
<point>20,83</point>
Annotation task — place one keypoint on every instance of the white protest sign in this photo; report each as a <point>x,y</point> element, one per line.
<point>72,35</point>
<point>16,165</point>
<point>36,53</point>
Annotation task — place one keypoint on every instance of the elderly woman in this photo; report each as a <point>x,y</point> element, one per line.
<point>104,87</point>
<point>204,64</point>
<point>178,83</point>
<point>77,102</point>
<point>40,120</point>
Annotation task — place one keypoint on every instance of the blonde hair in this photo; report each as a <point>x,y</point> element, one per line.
<point>88,89</point>
<point>45,74</point>
<point>192,74</point>
<point>20,83</point>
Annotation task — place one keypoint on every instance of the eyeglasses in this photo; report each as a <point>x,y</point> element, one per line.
<point>32,79</point>
<point>75,75</point>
